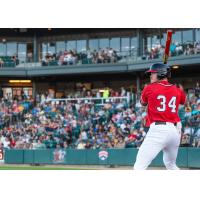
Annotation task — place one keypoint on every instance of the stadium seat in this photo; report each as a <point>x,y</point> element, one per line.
<point>8,62</point>
<point>86,61</point>
<point>53,63</point>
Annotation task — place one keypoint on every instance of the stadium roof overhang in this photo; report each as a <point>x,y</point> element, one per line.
<point>44,32</point>
<point>41,32</point>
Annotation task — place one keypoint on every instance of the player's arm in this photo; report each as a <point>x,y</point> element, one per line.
<point>182,94</point>
<point>144,96</point>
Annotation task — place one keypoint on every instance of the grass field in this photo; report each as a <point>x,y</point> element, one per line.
<point>28,167</point>
<point>61,167</point>
<point>71,167</point>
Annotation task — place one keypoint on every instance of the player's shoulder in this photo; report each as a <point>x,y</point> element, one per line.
<point>147,86</point>
<point>164,83</point>
<point>150,85</point>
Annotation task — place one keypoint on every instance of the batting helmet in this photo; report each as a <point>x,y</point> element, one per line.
<point>162,70</point>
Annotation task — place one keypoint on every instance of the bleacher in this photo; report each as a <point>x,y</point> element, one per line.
<point>7,61</point>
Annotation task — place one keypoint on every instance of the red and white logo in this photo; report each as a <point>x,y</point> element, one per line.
<point>59,156</point>
<point>103,155</point>
<point>1,155</point>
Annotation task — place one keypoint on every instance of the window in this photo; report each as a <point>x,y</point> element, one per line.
<point>188,36</point>
<point>133,43</point>
<point>115,43</point>
<point>152,41</point>
<point>155,41</point>
<point>125,46</point>
<point>51,48</point>
<point>71,45</point>
<point>44,50</point>
<point>176,37</point>
<point>163,39</point>
<point>103,43</point>
<point>60,46</point>
<point>81,45</point>
<point>11,48</point>
<point>93,44</point>
<point>2,49</point>
<point>149,44</point>
<point>134,46</point>
<point>22,52</point>
<point>197,32</point>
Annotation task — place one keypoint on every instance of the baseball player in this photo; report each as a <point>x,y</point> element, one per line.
<point>162,99</point>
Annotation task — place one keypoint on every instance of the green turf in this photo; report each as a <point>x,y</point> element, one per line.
<point>37,168</point>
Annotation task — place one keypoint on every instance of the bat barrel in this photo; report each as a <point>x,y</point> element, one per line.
<point>167,46</point>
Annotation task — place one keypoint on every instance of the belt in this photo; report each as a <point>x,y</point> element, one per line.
<point>164,123</point>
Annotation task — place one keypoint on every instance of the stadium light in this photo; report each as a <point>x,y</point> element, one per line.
<point>19,81</point>
<point>175,67</point>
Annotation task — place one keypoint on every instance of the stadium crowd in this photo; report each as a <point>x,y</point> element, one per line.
<point>176,49</point>
<point>71,57</point>
<point>103,55</point>
<point>40,123</point>
<point>109,55</point>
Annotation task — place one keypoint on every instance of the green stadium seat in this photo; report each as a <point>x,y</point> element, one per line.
<point>86,61</point>
<point>9,64</point>
<point>5,64</point>
<point>53,63</point>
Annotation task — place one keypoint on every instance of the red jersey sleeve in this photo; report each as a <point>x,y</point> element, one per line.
<point>144,96</point>
<point>147,121</point>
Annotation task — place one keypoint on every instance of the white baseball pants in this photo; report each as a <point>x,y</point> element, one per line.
<point>161,137</point>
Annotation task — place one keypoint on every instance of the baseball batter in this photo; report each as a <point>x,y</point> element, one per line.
<point>163,100</point>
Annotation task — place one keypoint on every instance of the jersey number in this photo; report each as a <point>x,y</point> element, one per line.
<point>171,104</point>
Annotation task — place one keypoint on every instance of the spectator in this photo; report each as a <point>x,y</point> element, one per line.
<point>173,49</point>
<point>188,130</point>
<point>197,90</point>
<point>197,48</point>
<point>29,56</point>
<point>82,124</point>
<point>1,62</point>
<point>71,57</point>
<point>178,49</point>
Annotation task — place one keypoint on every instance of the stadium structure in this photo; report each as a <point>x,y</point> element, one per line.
<point>60,61</point>
<point>133,48</point>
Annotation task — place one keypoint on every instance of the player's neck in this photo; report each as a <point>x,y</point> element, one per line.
<point>164,79</point>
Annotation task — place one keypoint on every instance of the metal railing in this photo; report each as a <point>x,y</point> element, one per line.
<point>95,100</point>
<point>129,56</point>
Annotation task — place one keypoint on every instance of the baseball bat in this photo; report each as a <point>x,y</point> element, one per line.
<point>166,53</point>
<point>167,46</point>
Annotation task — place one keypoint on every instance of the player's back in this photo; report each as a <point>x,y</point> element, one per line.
<point>163,101</point>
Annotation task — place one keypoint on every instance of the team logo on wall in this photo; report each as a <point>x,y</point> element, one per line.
<point>59,156</point>
<point>1,155</point>
<point>103,155</point>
